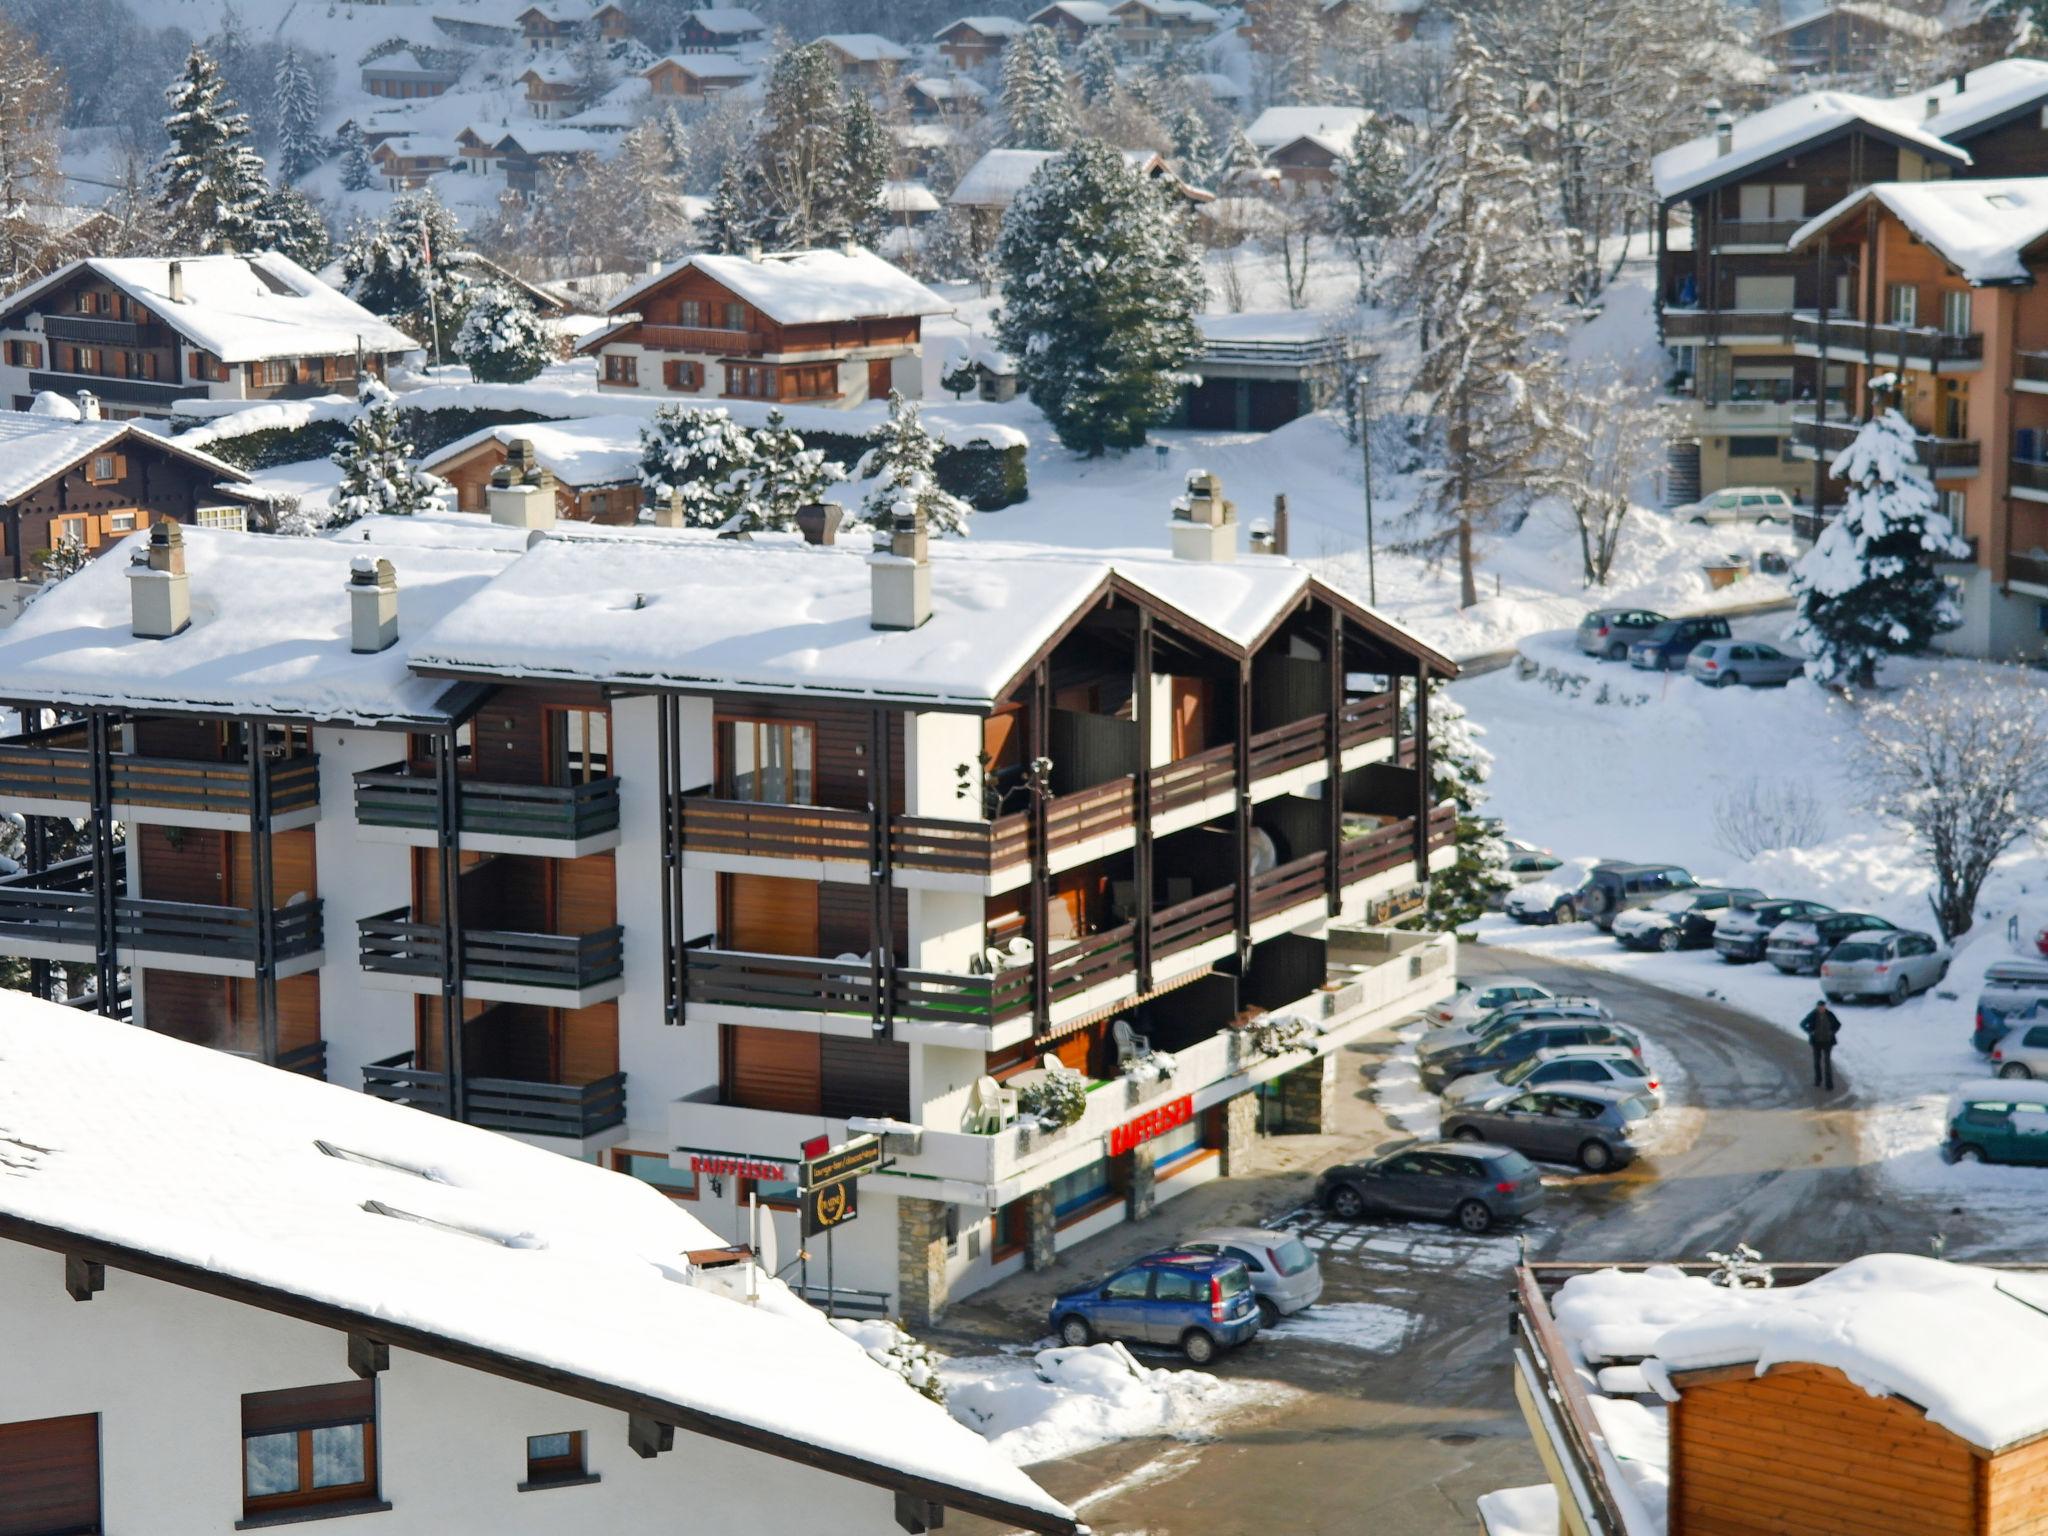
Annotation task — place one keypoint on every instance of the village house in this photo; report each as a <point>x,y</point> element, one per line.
<point>1260,370</point>
<point>524,157</point>
<point>576,833</point>
<point>141,332</point>
<point>479,268</point>
<point>551,27</point>
<point>866,58</point>
<point>554,87</point>
<point>402,77</point>
<point>943,98</point>
<point>1849,37</point>
<point>974,42</point>
<point>1303,144</point>
<point>594,464</point>
<point>830,327</point>
<point>408,161</point>
<point>1148,26</point>
<point>304,1304</point>
<point>477,151</point>
<point>696,77</point>
<point>720,27</point>
<point>1073,20</point>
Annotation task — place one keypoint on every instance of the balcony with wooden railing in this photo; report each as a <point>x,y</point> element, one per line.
<point>574,1110</point>
<point>53,765</point>
<point>1923,346</point>
<point>1747,326</point>
<point>567,970</point>
<point>1939,455</point>
<point>59,912</point>
<point>700,338</point>
<point>563,820</point>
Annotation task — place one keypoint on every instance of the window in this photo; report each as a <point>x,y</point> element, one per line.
<point>679,374</point>
<point>1077,1193</point>
<point>733,317</point>
<point>1767,294</point>
<point>769,761</point>
<point>621,368</point>
<point>778,1194</point>
<point>1952,503</point>
<point>1902,304</point>
<point>1173,1148</point>
<point>276,371</point>
<point>749,381</point>
<point>817,382</point>
<point>50,1476</point>
<point>120,522</point>
<point>1177,1285</point>
<point>1131,1285</point>
<point>580,743</point>
<point>1752,447</point>
<point>236,518</point>
<point>104,467</point>
<point>1955,313</point>
<point>88,360</point>
<point>24,354</point>
<point>597,503</point>
<point>693,312</point>
<point>308,1446</point>
<point>654,1168</point>
<point>554,1459</point>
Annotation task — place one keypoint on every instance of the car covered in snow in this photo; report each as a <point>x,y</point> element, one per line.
<point>1739,504</point>
<point>1285,1275</point>
<point>1741,933</point>
<point>1510,1046</point>
<point>1665,648</point>
<point>1595,1127</point>
<point>1551,897</point>
<point>1998,1121</point>
<point>1615,1064</point>
<point>1752,663</point>
<point>1682,921</point>
<point>1798,947</point>
<point>1890,963</point>
<point>2013,991</point>
<point>1509,1016</point>
<point>1475,999</point>
<point>1608,632</point>
<point>1474,1185</point>
<point>1198,1303</point>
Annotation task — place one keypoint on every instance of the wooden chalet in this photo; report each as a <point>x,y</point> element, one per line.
<point>713,28</point>
<point>402,77</point>
<point>943,98</point>
<point>695,77</point>
<point>1849,37</point>
<point>553,88</point>
<point>864,57</point>
<point>552,27</point>
<point>1147,26</point>
<point>477,151</point>
<point>528,154</point>
<point>407,162</point>
<point>975,41</point>
<point>1073,20</point>
<point>592,463</point>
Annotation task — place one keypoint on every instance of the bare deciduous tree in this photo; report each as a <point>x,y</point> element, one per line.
<point>1606,433</point>
<point>1760,814</point>
<point>1964,769</point>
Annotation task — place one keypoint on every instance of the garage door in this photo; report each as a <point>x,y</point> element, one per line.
<point>50,1477</point>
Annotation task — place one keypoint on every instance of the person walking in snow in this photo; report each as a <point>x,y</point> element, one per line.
<point>1822,1029</point>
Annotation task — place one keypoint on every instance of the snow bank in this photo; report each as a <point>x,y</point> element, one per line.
<point>1519,1511</point>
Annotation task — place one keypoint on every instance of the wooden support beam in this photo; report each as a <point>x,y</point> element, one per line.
<point>647,1437</point>
<point>917,1514</point>
<point>1141,797</point>
<point>83,1278</point>
<point>367,1356</point>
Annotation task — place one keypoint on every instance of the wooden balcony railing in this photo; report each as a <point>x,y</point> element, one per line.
<point>1733,324</point>
<point>504,1103</point>
<point>402,796</point>
<point>804,985</point>
<point>1288,885</point>
<point>60,906</point>
<point>1192,779</point>
<point>2032,569</point>
<point>774,831</point>
<point>307,1060</point>
<point>1365,719</point>
<point>112,387</point>
<point>1877,343</point>
<point>966,847</point>
<point>396,944</point>
<point>1939,454</point>
<point>1086,813</point>
<point>1294,745</point>
<point>2032,366</point>
<point>2029,473</point>
<point>698,338</point>
<point>1755,231</point>
<point>47,766</point>
<point>1188,923</point>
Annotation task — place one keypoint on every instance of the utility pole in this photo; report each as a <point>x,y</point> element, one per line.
<point>1372,586</point>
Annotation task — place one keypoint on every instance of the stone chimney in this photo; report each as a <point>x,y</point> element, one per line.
<point>1280,524</point>
<point>159,594</point>
<point>521,494</point>
<point>372,605</point>
<point>177,282</point>
<point>668,510</point>
<point>1262,540</point>
<point>88,405</point>
<point>1204,524</point>
<point>900,577</point>
<point>754,252</point>
<point>819,522</point>
<point>1724,135</point>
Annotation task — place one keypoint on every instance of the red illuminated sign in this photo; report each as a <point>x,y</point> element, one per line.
<point>739,1168</point>
<point>1154,1122</point>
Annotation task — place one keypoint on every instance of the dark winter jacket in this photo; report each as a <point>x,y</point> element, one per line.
<point>1821,1027</point>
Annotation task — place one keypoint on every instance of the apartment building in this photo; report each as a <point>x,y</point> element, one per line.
<point>1728,287</point>
<point>300,1304</point>
<point>678,853</point>
<point>822,327</point>
<point>141,332</point>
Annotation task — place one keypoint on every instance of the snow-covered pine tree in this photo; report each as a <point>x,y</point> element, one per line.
<point>1034,92</point>
<point>866,152</point>
<point>1289,49</point>
<point>903,464</point>
<point>1482,269</point>
<point>800,152</point>
<point>385,266</point>
<point>379,475</point>
<point>730,223</point>
<point>1868,589</point>
<point>210,184</point>
<point>503,339</point>
<point>961,378</point>
<point>1194,150</point>
<point>1101,286</point>
<point>675,139</point>
<point>296,105</point>
<point>1241,164</point>
<point>357,173</point>
<point>1096,61</point>
<point>1368,201</point>
<point>288,223</point>
<point>701,453</point>
<point>652,219</point>
<point>1458,770</point>
<point>31,111</point>
<point>787,476</point>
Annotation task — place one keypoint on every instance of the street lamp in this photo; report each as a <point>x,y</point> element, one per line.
<point>1358,389</point>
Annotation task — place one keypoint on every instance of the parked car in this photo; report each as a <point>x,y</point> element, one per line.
<point>1510,1046</point>
<point>1200,1302</point>
<point>2013,991</point>
<point>1285,1275</point>
<point>1608,632</point>
<point>1475,999</point>
<point>1665,648</point>
<point>2000,1121</point>
<point>1724,663</point>
<point>1527,862</point>
<point>1615,1064</point>
<point>1576,1123</point>
<point>1683,921</point>
<point>1612,889</point>
<point>2023,1052</point>
<point>1741,933</point>
<point>1800,947</point>
<point>1890,964</point>
<point>1739,504</point>
<point>1474,1185</point>
<point>1509,1016</point>
<point>1551,897</point>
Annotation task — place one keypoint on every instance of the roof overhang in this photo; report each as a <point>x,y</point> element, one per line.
<point>1953,155</point>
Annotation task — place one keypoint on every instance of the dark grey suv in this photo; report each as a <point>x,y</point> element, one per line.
<point>1591,1125</point>
<point>1472,1185</point>
<point>1613,888</point>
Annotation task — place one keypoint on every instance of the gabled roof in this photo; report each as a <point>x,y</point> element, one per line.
<point>35,448</point>
<point>551,69</point>
<point>413,147</point>
<point>997,177</point>
<point>728,20</point>
<point>948,88</point>
<point>987,26</point>
<point>557,141</point>
<point>1185,10</point>
<point>1890,17</point>
<point>1787,128</point>
<point>306,1199</point>
<point>239,308</point>
<point>705,66</point>
<point>587,451</point>
<point>1278,126</point>
<point>865,47</point>
<point>1089,13</point>
<point>805,287</point>
<point>909,197</point>
<point>1982,229</point>
<point>1989,96</point>
<point>408,63</point>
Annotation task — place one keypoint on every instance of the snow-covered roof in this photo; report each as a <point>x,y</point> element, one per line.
<point>408,63</point>
<point>997,177</point>
<point>1185,10</point>
<point>909,197</point>
<point>1980,228</point>
<point>440,1235</point>
<point>618,108</point>
<point>1779,130</point>
<point>594,450</point>
<point>1268,325</point>
<point>1283,125</point>
<point>413,147</point>
<point>865,47</point>
<point>1988,93</point>
<point>551,69</point>
<point>948,88</point>
<point>557,141</point>
<point>36,444</point>
<point>728,20</point>
<point>806,287</point>
<point>1891,17</point>
<point>269,632</point>
<point>1089,13</point>
<point>987,26</point>
<point>240,308</point>
<point>1967,1346</point>
<point>1220,86</point>
<point>705,66</point>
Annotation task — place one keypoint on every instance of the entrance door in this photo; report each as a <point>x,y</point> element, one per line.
<point>768,915</point>
<point>878,378</point>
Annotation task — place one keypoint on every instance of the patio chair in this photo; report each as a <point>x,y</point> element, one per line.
<point>1130,1045</point>
<point>990,1106</point>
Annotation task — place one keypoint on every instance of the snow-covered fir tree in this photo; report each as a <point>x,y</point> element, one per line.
<point>1101,285</point>
<point>31,111</point>
<point>961,377</point>
<point>1036,110</point>
<point>865,147</point>
<point>702,454</point>
<point>357,173</point>
<point>288,223</point>
<point>787,476</point>
<point>1868,588</point>
<point>798,173</point>
<point>1241,164</point>
<point>403,267</point>
<point>296,106</point>
<point>1367,204</point>
<point>1194,148</point>
<point>380,474</point>
<point>1458,770</point>
<point>652,214</point>
<point>729,225</point>
<point>1096,62</point>
<point>903,466</point>
<point>503,339</point>
<point>210,185</point>
<point>1482,270</point>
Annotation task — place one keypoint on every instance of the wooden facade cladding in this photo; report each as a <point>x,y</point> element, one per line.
<point>149,483</point>
<point>612,502</point>
<point>722,321</point>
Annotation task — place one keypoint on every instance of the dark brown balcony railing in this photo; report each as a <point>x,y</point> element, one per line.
<point>1939,454</point>
<point>1877,343</point>
<point>697,338</point>
<point>45,765</point>
<point>765,830</point>
<point>504,1103</point>
<point>402,795</point>
<point>396,944</point>
<point>60,906</point>
<point>1188,923</point>
<point>1735,324</point>
<point>1755,231</point>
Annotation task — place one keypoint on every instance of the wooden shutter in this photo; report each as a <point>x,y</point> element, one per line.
<point>50,1476</point>
<point>585,893</point>
<point>775,1069</point>
<point>864,1077</point>
<point>770,915</point>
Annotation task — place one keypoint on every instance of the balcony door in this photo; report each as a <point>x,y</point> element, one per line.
<point>768,915</point>
<point>579,746</point>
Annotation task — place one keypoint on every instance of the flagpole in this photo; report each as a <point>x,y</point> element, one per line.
<point>433,309</point>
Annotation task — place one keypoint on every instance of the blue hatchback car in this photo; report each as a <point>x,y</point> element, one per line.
<point>1199,1302</point>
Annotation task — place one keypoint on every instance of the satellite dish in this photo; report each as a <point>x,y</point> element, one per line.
<point>764,1251</point>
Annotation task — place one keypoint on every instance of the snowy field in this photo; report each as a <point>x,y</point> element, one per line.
<point>1640,780</point>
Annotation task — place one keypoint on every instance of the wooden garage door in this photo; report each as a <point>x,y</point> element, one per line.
<point>768,915</point>
<point>50,1476</point>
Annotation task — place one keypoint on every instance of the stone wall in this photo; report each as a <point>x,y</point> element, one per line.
<point>1240,1132</point>
<point>921,1290</point>
<point>1142,1183</point>
<point>1308,1098</point>
<point>1040,1230</point>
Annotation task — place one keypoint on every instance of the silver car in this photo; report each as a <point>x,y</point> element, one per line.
<point>2022,1052</point>
<point>1510,1016</point>
<point>1474,998</point>
<point>1285,1275</point>
<point>1892,964</point>
<point>1739,504</point>
<point>1615,1065</point>
<point>1569,1123</point>
<point>1724,663</point>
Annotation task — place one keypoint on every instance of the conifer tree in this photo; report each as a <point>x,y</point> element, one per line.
<point>903,464</point>
<point>800,152</point>
<point>403,266</point>
<point>1101,285</point>
<point>1096,60</point>
<point>379,471</point>
<point>288,223</point>
<point>503,339</point>
<point>1368,199</point>
<point>1241,163</point>
<point>867,169</point>
<point>702,454</point>
<point>730,224</point>
<point>357,173</point>
<point>1868,589</point>
<point>296,107</point>
<point>1034,92</point>
<point>210,184</point>
<point>786,477</point>
<point>1458,770</point>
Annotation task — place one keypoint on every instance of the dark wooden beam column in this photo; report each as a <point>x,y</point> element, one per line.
<point>1141,797</point>
<point>106,883</point>
<point>1242,762</point>
<point>1037,742</point>
<point>668,742</point>
<point>1820,388</point>
<point>448,842</point>
<point>1422,795</point>
<point>263,876</point>
<point>881,918</point>
<point>1333,783</point>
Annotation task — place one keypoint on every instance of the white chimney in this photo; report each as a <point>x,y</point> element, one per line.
<point>668,510</point>
<point>372,605</point>
<point>159,594</point>
<point>1933,106</point>
<point>88,405</point>
<point>1204,524</point>
<point>754,250</point>
<point>177,282</point>
<point>900,577</point>
<point>521,494</point>
<point>1724,135</point>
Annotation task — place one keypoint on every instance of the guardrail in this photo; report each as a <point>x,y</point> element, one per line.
<point>60,906</point>
<point>697,338</point>
<point>1365,719</point>
<point>307,1060</point>
<point>504,1103</point>
<point>1876,343</point>
<point>107,386</point>
<point>1190,779</point>
<point>400,796</point>
<point>1188,923</point>
<point>1706,324</point>
<point>961,847</point>
<point>394,943</point>
<point>1294,745</point>
<point>36,767</point>
<point>775,831</point>
<point>1936,453</point>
